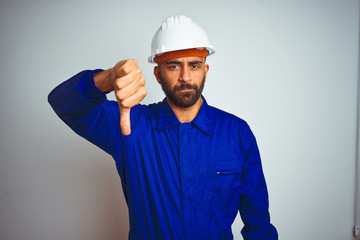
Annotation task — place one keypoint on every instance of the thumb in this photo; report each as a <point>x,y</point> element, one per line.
<point>125,121</point>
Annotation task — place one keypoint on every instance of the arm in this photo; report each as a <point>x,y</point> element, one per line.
<point>254,203</point>
<point>81,102</point>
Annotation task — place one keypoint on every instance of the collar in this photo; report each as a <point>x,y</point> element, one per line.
<point>203,120</point>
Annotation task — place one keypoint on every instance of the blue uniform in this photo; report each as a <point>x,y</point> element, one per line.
<point>180,180</point>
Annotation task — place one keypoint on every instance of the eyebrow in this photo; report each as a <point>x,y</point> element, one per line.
<point>178,62</point>
<point>172,62</point>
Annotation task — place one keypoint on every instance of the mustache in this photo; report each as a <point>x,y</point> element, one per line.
<point>185,86</point>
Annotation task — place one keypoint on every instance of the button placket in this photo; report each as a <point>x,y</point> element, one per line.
<point>186,177</point>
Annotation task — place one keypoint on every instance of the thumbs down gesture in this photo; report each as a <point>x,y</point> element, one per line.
<point>129,88</point>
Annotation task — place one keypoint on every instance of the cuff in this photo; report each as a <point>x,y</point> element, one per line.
<point>87,85</point>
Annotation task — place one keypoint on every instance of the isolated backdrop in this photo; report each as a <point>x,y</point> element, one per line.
<point>289,68</point>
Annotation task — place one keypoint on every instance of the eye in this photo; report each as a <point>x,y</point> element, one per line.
<point>195,66</point>
<point>173,67</point>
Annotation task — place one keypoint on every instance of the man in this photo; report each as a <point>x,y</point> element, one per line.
<point>186,168</point>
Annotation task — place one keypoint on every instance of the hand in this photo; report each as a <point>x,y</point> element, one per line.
<point>129,88</point>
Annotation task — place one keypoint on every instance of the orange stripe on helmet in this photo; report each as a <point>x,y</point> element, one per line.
<point>193,52</point>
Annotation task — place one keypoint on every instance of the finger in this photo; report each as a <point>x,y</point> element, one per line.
<point>134,99</point>
<point>125,67</point>
<point>125,121</point>
<point>130,89</point>
<point>125,107</point>
<point>125,80</point>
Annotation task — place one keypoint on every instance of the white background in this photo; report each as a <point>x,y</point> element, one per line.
<point>289,68</point>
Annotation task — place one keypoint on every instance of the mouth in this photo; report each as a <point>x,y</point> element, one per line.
<point>185,88</point>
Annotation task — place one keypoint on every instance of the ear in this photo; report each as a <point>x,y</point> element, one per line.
<point>157,74</point>
<point>206,70</point>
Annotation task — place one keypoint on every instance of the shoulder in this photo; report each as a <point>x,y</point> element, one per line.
<point>221,116</point>
<point>234,125</point>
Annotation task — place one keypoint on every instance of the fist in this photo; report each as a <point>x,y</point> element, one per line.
<point>129,88</point>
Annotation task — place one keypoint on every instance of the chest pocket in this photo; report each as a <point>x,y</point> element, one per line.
<point>227,174</point>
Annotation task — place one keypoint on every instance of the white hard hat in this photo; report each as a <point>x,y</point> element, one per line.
<point>179,33</point>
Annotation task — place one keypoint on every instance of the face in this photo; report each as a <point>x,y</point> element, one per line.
<point>182,79</point>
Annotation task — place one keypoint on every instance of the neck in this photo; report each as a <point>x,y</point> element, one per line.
<point>185,114</point>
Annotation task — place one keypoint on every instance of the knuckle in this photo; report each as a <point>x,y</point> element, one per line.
<point>118,84</point>
<point>143,91</point>
<point>123,104</point>
<point>119,68</point>
<point>127,103</point>
<point>126,67</point>
<point>140,79</point>
<point>119,96</point>
<point>138,71</point>
<point>125,70</point>
<point>129,66</point>
<point>133,62</point>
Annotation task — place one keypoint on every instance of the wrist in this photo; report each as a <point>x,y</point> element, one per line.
<point>103,81</point>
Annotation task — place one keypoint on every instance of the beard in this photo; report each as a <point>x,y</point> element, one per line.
<point>182,99</point>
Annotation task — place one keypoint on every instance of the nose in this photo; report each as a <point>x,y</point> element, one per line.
<point>185,74</point>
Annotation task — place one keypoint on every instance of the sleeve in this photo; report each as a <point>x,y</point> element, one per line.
<point>254,203</point>
<point>86,110</point>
